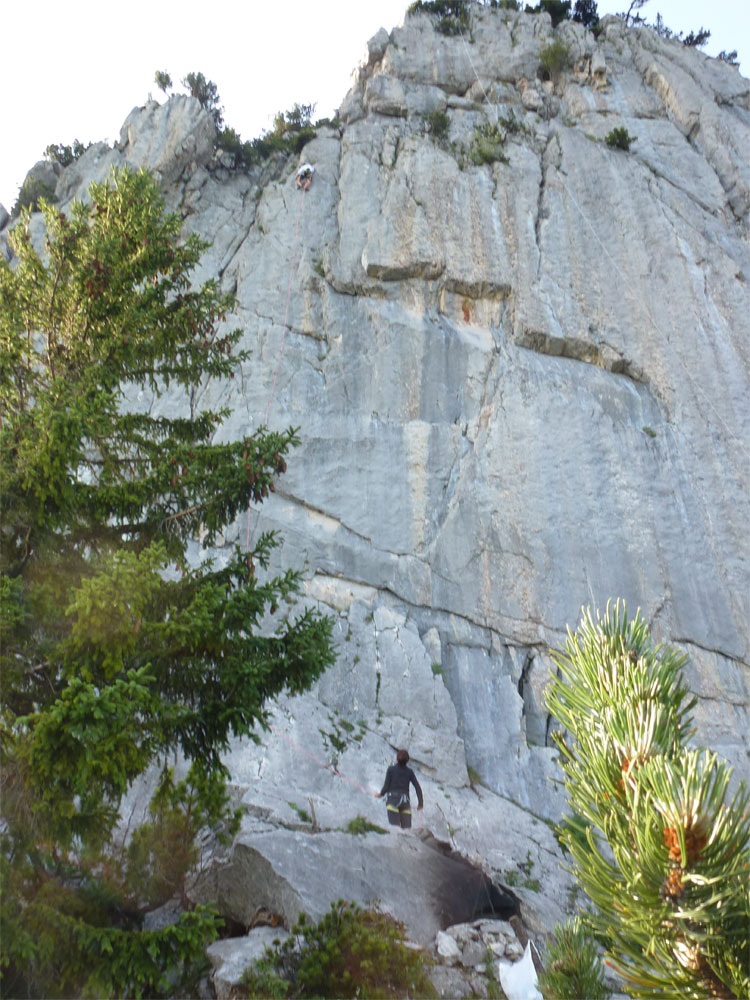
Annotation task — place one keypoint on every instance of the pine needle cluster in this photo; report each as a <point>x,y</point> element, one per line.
<point>659,833</point>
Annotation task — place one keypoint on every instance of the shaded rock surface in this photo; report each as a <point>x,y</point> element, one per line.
<point>416,879</point>
<point>523,387</point>
<point>231,957</point>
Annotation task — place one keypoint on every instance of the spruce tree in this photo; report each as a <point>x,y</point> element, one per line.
<point>123,647</point>
<point>659,834</point>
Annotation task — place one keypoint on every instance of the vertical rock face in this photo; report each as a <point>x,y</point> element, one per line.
<point>520,361</point>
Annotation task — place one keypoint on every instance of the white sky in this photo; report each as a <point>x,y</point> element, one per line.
<point>75,69</point>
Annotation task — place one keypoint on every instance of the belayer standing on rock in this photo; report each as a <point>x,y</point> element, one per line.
<point>398,777</point>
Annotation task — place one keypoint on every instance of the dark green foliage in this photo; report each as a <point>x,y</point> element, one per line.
<point>291,132</point>
<point>65,155</point>
<point>729,57</point>
<point>163,80</point>
<point>65,940</point>
<point>585,12</point>
<point>620,138</point>
<point>298,118</point>
<point>242,153</point>
<point>698,38</point>
<point>573,966</point>
<point>438,125</point>
<point>117,652</point>
<point>351,952</point>
<point>32,193</point>
<point>554,59</point>
<point>361,825</point>
<point>453,14</point>
<point>692,39</point>
<point>163,850</point>
<point>207,94</point>
<point>659,834</point>
<point>558,10</point>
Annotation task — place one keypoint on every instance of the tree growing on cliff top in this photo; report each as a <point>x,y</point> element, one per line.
<point>207,94</point>
<point>117,650</point>
<point>658,842</point>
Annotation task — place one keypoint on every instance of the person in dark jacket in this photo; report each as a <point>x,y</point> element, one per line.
<point>398,777</point>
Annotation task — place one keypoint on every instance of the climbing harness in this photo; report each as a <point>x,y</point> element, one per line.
<point>336,773</point>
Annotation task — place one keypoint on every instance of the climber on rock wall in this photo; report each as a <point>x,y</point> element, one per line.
<point>305,175</point>
<point>398,777</point>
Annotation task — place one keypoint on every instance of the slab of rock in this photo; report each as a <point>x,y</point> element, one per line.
<point>451,983</point>
<point>231,957</point>
<point>168,137</point>
<point>418,881</point>
<point>448,949</point>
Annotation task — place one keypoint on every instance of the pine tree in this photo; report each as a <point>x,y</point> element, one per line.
<point>121,645</point>
<point>659,841</point>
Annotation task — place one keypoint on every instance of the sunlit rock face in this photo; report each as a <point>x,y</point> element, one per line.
<point>523,386</point>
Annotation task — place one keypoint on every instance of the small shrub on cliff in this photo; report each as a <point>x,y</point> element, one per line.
<point>558,10</point>
<point>620,138</point>
<point>63,154</point>
<point>453,15</point>
<point>585,12</point>
<point>32,192</point>
<point>438,125</point>
<point>291,132</point>
<point>163,80</point>
<point>361,825</point>
<point>206,92</point>
<point>554,59</point>
<point>351,952</point>
<point>696,39</point>
<point>729,57</point>
<point>487,145</point>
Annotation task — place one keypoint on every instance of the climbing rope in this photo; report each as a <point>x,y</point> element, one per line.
<point>281,349</point>
<point>476,75</point>
<point>329,767</point>
<point>286,307</point>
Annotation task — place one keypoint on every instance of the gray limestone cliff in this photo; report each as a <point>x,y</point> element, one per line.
<point>523,386</point>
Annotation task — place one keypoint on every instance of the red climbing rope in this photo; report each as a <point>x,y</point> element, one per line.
<point>322,763</point>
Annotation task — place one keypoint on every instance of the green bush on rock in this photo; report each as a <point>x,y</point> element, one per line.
<point>620,138</point>
<point>351,952</point>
